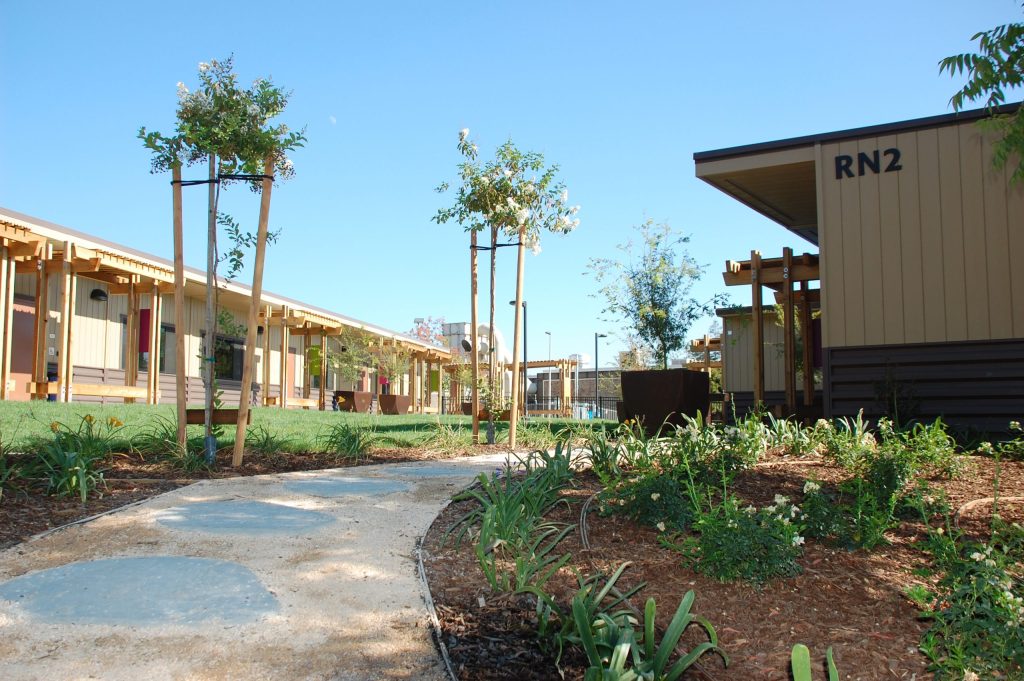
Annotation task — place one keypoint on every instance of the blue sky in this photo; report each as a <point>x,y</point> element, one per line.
<point>619,95</point>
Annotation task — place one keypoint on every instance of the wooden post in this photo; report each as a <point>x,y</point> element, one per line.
<point>516,332</point>
<point>180,329</point>
<point>40,341</point>
<point>131,348</point>
<point>807,333</point>
<point>249,355</point>
<point>153,395</point>
<point>307,375</point>
<point>283,399</point>
<point>789,329</point>
<point>428,384</point>
<point>756,318</point>
<point>323,369</point>
<point>265,387</point>
<point>7,272</point>
<point>67,306</point>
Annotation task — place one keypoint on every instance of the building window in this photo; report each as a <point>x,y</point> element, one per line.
<point>229,353</point>
<point>166,338</point>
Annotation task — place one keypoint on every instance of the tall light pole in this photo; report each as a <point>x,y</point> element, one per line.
<point>547,381</point>
<point>597,374</point>
<point>526,405</point>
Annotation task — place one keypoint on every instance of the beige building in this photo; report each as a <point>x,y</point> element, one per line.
<point>920,261</point>
<point>109,311</point>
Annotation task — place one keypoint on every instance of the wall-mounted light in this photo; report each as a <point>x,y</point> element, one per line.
<point>259,330</point>
<point>99,295</point>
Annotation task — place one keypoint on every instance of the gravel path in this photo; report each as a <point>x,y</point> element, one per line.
<point>293,576</point>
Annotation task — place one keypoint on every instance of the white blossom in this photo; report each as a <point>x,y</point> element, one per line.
<point>203,67</point>
<point>661,527</point>
<point>811,486</point>
<point>565,196</point>
<point>655,496</point>
<point>463,134</point>
<point>798,540</point>
<point>522,215</point>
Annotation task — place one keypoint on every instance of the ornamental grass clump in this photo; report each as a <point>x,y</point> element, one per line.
<point>71,462</point>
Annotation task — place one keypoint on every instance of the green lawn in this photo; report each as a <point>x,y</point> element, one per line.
<point>298,430</point>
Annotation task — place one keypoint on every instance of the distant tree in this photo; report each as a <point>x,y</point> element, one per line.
<point>650,289</point>
<point>430,330</point>
<point>997,67</point>
<point>348,354</point>
<point>635,356</point>
<point>392,361</point>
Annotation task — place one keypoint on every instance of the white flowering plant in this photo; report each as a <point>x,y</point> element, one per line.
<point>655,500</point>
<point>978,611</point>
<point>737,542</point>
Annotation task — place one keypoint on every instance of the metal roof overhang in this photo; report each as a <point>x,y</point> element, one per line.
<point>778,184</point>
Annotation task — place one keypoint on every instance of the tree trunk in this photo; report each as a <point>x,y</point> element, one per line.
<point>492,352</point>
<point>474,337</point>
<point>209,347</point>
<point>254,309</point>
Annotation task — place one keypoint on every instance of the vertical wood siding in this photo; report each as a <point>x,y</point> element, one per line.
<point>931,253</point>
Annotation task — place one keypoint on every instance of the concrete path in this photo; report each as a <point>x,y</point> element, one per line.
<point>293,576</point>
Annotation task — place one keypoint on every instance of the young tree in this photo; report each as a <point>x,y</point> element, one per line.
<point>650,289</point>
<point>392,361</point>
<point>347,354</point>
<point>514,195</point>
<point>999,66</point>
<point>229,128</point>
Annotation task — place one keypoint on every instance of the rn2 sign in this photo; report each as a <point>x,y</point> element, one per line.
<point>865,162</point>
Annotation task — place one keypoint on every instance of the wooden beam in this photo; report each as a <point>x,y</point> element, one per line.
<point>789,331</point>
<point>757,317</point>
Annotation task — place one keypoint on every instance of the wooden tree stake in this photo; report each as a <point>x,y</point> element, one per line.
<point>514,411</point>
<point>254,312</point>
<point>474,338</point>
<point>180,361</point>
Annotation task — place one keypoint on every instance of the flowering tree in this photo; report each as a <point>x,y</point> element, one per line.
<point>517,196</point>
<point>650,290</point>
<point>430,330</point>
<point>228,127</point>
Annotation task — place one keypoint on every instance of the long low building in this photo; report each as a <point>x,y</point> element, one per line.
<point>920,261</point>
<point>109,317</point>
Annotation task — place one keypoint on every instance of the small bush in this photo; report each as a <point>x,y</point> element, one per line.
<point>658,501</point>
<point>749,544</point>
<point>260,441</point>
<point>346,440</point>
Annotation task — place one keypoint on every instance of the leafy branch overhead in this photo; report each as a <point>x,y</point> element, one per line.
<point>650,289</point>
<point>996,68</point>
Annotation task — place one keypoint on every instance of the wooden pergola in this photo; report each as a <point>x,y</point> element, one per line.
<point>27,253</point>
<point>706,345</point>
<point>310,325</point>
<point>780,274</point>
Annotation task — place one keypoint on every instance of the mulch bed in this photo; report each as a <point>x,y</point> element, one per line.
<point>26,511</point>
<point>850,600</point>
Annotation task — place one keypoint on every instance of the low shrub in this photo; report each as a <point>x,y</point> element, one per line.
<point>346,440</point>
<point>749,544</point>
<point>654,500</point>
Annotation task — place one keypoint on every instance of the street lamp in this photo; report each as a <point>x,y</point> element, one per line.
<point>547,381</point>
<point>597,374</point>
<point>526,406</point>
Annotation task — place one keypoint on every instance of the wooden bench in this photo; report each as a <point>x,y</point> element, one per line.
<point>304,402</point>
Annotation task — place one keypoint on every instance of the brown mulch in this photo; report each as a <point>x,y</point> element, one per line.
<point>25,510</point>
<point>850,600</point>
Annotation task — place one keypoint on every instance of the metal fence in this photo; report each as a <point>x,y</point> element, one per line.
<point>581,408</point>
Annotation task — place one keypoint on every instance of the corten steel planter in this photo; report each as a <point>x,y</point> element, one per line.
<point>354,400</point>
<point>393,404</point>
<point>658,397</point>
